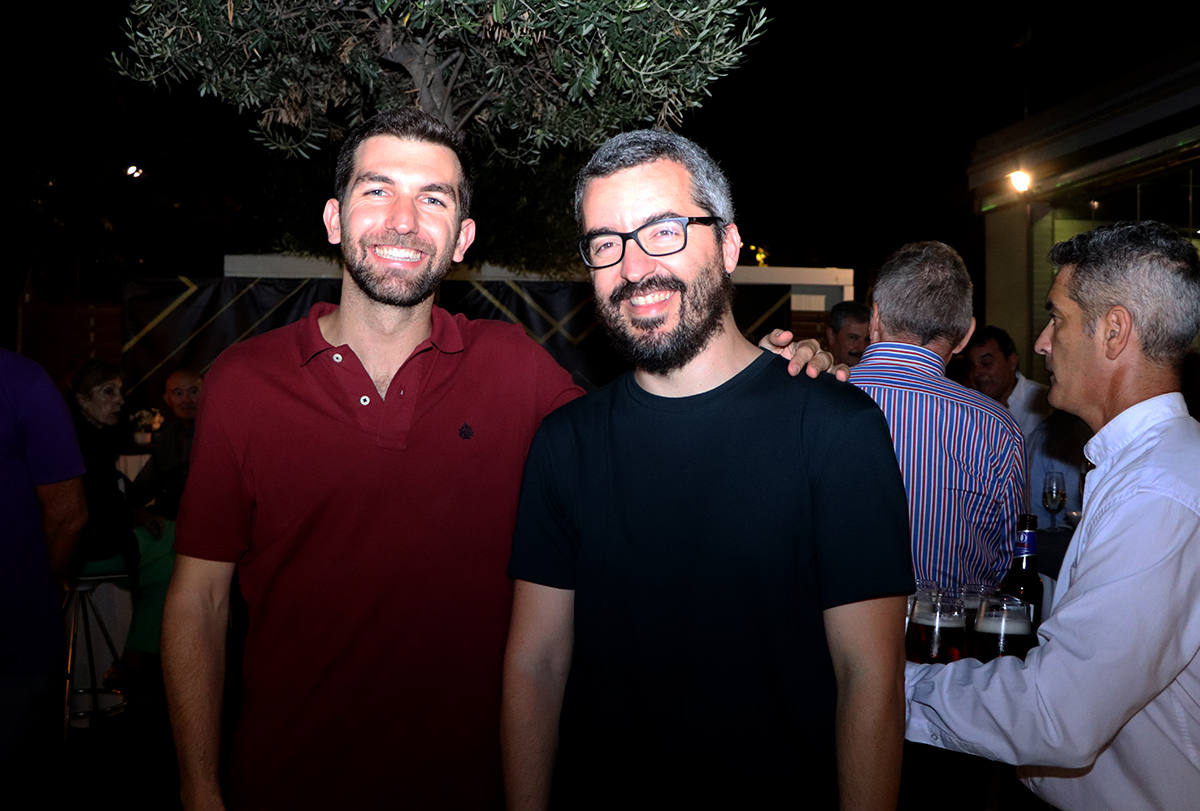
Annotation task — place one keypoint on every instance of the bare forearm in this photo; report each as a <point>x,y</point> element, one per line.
<point>529,736</point>
<point>64,514</point>
<point>536,663</point>
<point>867,647</point>
<point>870,738</point>
<point>193,656</point>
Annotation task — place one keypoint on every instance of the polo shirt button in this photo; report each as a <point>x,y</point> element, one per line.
<point>337,357</point>
<point>365,400</point>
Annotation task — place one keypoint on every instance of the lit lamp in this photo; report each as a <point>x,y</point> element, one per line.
<point>1020,180</point>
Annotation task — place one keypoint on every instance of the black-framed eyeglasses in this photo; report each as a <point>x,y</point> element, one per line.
<point>659,238</point>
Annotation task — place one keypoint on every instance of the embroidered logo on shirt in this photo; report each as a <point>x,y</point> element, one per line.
<point>465,431</point>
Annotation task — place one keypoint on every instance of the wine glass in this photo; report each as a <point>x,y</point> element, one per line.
<point>1054,494</point>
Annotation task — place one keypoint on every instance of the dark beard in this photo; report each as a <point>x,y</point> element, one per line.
<point>373,283</point>
<point>701,308</point>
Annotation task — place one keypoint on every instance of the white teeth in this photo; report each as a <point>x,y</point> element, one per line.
<point>650,298</point>
<point>397,253</point>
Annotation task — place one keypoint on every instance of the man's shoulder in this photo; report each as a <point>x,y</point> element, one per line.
<point>1164,456</point>
<point>971,404</point>
<point>273,348</point>
<point>488,334</point>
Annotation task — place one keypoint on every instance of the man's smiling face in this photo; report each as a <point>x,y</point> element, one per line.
<point>661,311</point>
<point>399,222</point>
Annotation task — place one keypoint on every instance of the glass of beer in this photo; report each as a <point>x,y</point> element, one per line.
<point>1002,629</point>
<point>937,629</point>
<point>973,594</point>
<point>927,587</point>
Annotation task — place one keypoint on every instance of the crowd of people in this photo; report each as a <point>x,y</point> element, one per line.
<point>469,585</point>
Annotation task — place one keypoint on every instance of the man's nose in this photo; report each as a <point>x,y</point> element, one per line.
<point>401,216</point>
<point>1042,344</point>
<point>636,264</point>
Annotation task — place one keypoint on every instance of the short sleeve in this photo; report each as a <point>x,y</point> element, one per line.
<point>216,512</point>
<point>545,542</point>
<point>860,510</point>
<point>51,449</point>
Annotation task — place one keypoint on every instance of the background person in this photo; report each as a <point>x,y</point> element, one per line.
<point>848,333</point>
<point>1053,439</point>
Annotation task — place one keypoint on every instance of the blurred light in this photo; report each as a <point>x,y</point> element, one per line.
<point>1095,204</point>
<point>134,171</point>
<point>1020,180</point>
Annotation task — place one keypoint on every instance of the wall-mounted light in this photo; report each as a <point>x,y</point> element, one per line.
<point>1020,180</point>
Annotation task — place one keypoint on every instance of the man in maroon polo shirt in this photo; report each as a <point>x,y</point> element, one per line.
<point>361,469</point>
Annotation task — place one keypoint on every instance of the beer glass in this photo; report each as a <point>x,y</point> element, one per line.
<point>1001,629</point>
<point>936,630</point>
<point>973,594</point>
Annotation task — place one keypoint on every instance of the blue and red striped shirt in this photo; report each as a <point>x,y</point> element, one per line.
<point>962,458</point>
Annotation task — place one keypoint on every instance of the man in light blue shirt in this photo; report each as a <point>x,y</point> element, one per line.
<point>1104,712</point>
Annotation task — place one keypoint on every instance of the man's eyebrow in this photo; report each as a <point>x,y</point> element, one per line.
<point>447,189</point>
<point>373,177</point>
<point>662,215</point>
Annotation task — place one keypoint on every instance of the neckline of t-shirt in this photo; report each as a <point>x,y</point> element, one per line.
<point>692,401</point>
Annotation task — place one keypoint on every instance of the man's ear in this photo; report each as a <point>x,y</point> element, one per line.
<point>333,221</point>
<point>965,339</point>
<point>1117,325</point>
<point>466,235</point>
<point>731,247</point>
<point>876,326</point>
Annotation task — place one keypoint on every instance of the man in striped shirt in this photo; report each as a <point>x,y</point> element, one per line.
<point>960,451</point>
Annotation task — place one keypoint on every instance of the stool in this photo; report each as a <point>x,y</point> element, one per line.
<point>78,609</point>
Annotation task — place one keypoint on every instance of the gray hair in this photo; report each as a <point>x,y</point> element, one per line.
<point>710,188</point>
<point>924,291</point>
<point>1145,267</point>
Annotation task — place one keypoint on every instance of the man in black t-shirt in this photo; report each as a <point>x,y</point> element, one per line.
<point>686,633</point>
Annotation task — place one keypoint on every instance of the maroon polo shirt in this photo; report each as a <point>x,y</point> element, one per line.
<point>372,537</point>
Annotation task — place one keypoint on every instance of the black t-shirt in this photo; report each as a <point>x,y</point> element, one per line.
<point>703,537</point>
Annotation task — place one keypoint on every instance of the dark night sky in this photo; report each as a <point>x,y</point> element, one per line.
<point>845,134</point>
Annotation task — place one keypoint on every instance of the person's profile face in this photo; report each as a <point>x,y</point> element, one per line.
<point>102,405</point>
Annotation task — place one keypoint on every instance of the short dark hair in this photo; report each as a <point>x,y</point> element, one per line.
<point>845,311</point>
<point>1145,267</point>
<point>408,124</point>
<point>990,333</point>
<point>94,373</point>
<point>710,187</point>
<point>923,290</point>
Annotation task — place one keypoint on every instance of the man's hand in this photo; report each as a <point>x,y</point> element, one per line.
<point>805,355</point>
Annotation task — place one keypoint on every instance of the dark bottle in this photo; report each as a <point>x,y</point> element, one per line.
<point>1022,580</point>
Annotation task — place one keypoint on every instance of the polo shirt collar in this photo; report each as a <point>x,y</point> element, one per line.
<point>445,335</point>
